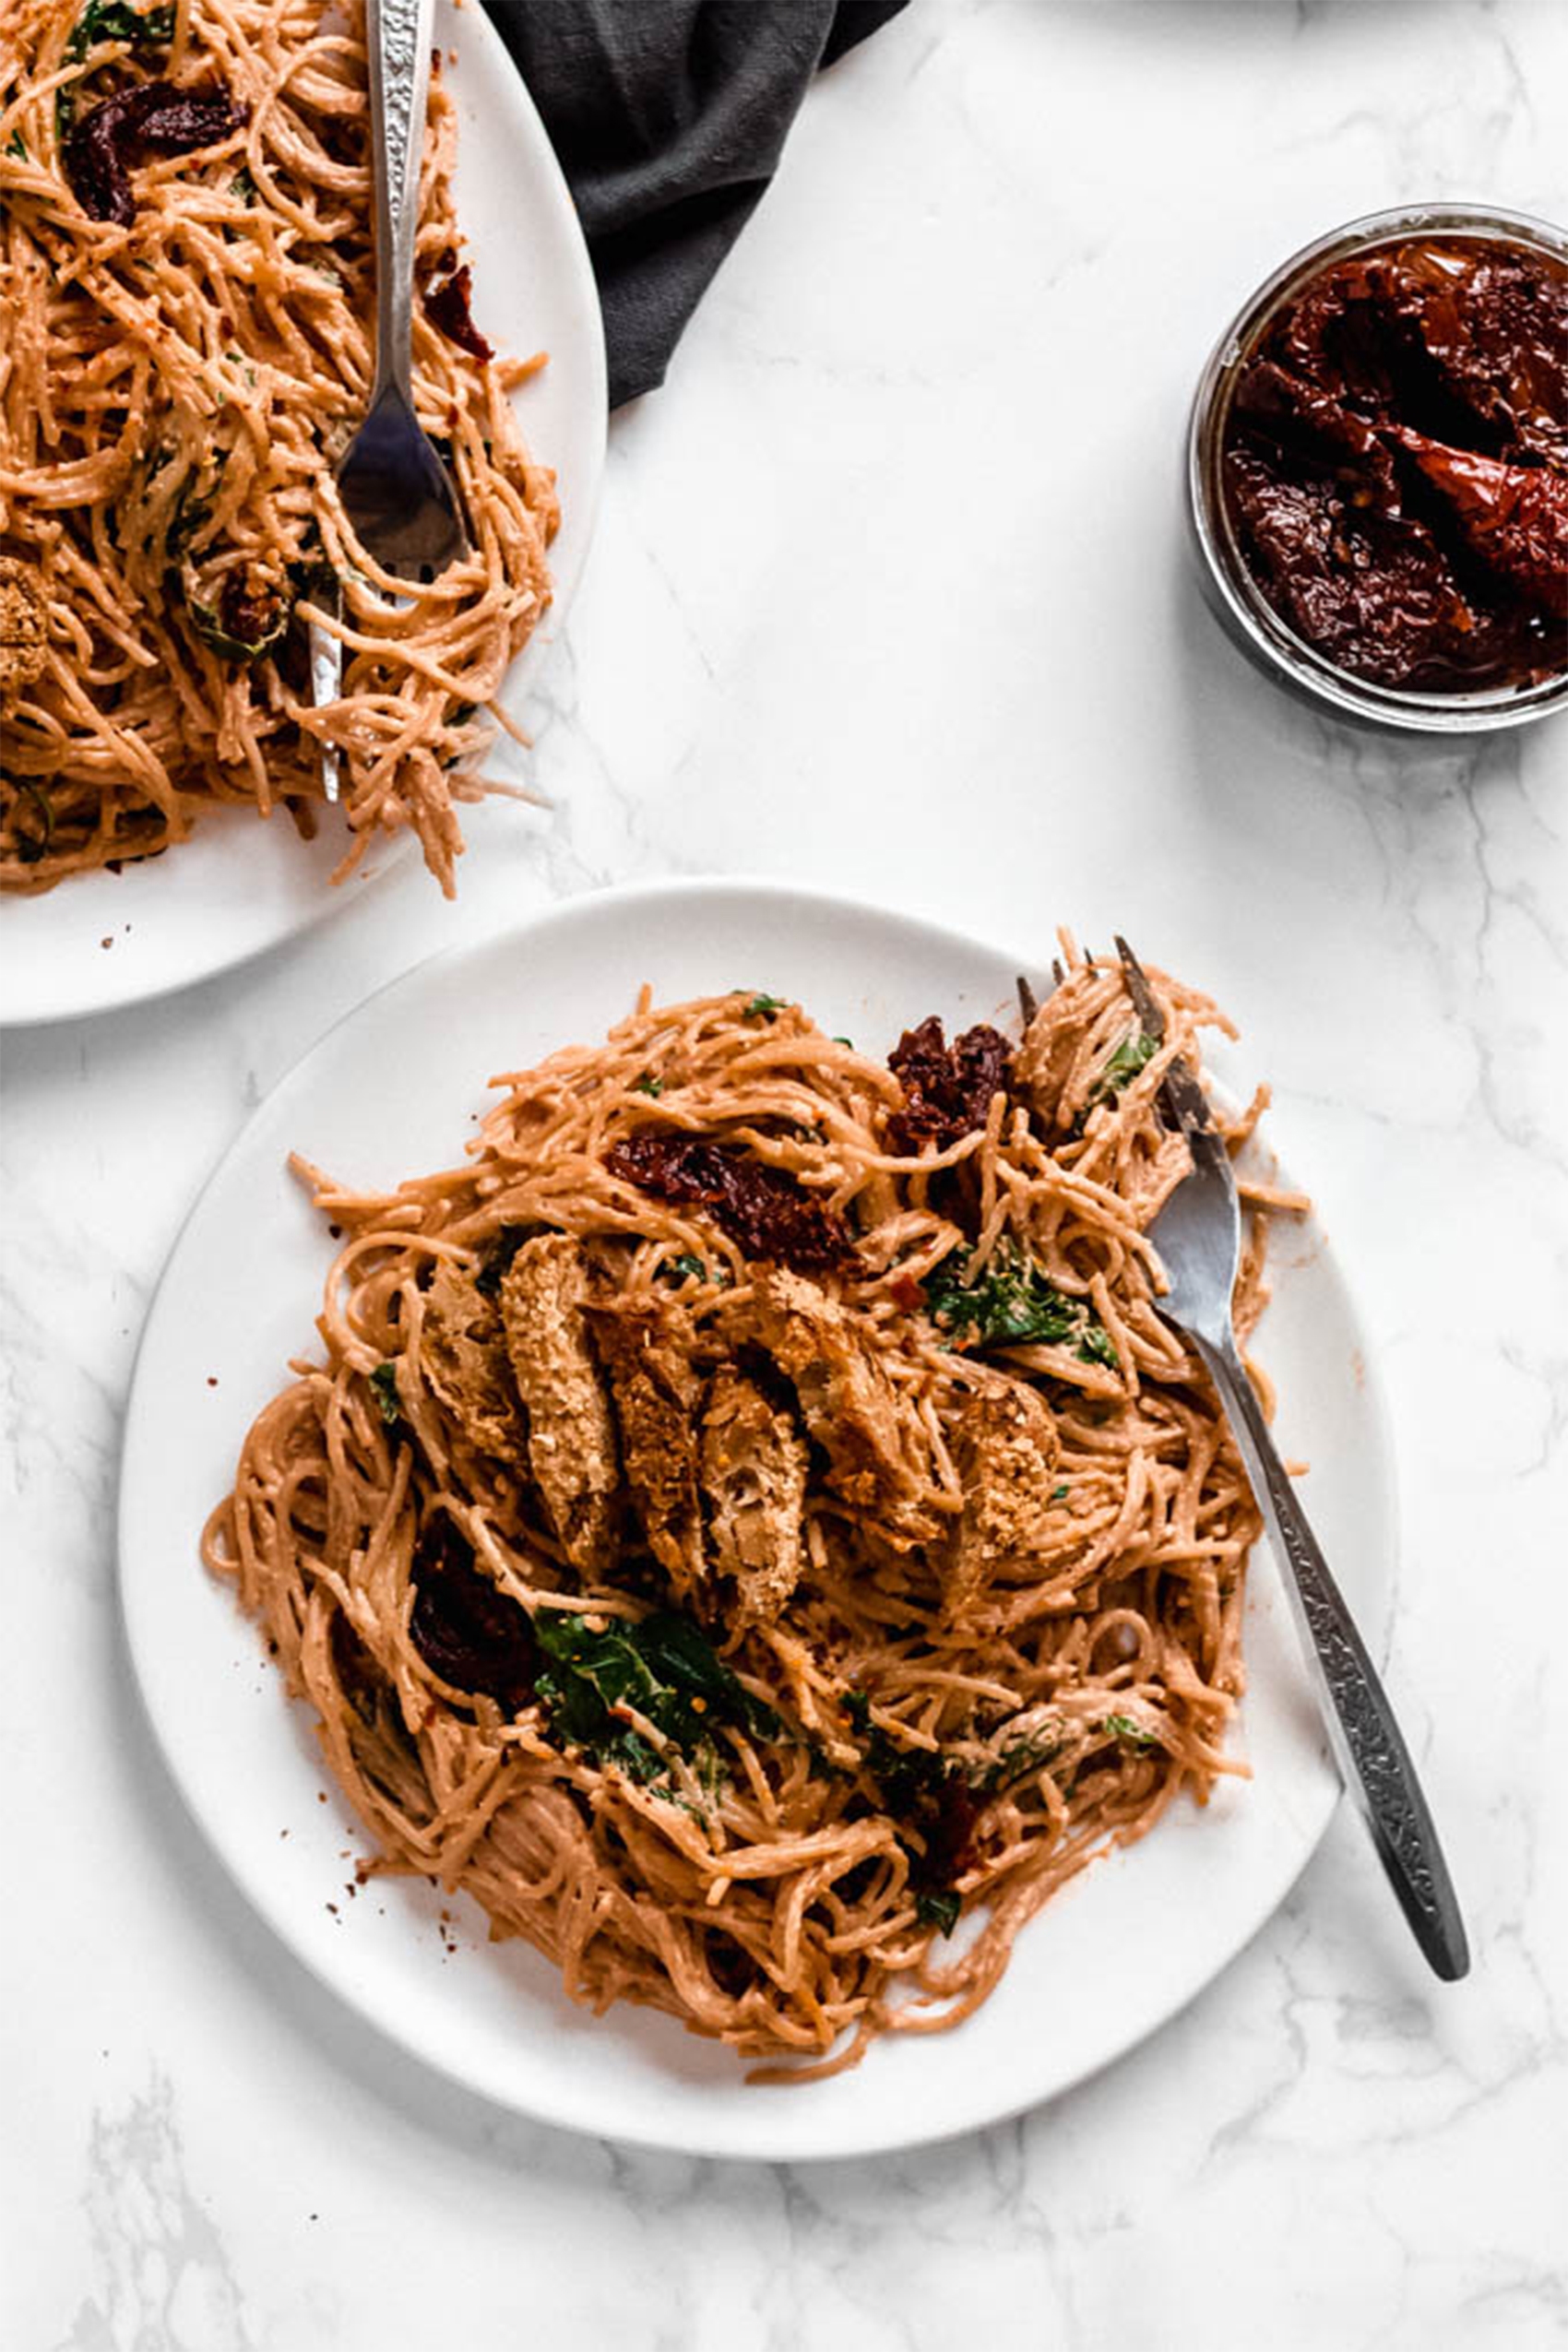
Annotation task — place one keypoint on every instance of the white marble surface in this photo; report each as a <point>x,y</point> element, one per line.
<point>890,593</point>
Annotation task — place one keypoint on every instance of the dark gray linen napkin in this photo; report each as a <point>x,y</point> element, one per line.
<point>668,117</point>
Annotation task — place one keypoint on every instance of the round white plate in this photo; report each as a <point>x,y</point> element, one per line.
<point>239,885</point>
<point>393,1091</point>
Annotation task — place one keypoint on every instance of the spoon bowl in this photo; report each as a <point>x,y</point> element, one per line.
<point>396,493</point>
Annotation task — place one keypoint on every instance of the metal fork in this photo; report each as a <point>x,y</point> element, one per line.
<point>395,491</point>
<point>1198,1236</point>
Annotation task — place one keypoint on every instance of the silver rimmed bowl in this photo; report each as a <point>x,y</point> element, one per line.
<point>1233,592</point>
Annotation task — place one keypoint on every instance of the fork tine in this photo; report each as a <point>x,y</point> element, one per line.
<point>1187,1099</point>
<point>325,686</point>
<point>1179,1091</point>
<point>1138,989</point>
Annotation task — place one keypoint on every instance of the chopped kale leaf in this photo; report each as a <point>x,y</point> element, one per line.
<point>684,1268</point>
<point>1017,1759</point>
<point>103,20</point>
<point>189,512</point>
<point>926,1793</point>
<point>1013,1305</point>
<point>1122,1065</point>
<point>384,1387</point>
<point>939,1907</point>
<point>636,1758</point>
<point>1121,1726</point>
<point>662,1667</point>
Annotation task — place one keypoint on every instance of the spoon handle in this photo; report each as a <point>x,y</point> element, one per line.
<point>399,36</point>
<point>1366,1743</point>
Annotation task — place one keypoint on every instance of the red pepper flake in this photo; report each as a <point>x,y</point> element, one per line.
<point>762,1209</point>
<point>250,615</point>
<point>947,1088</point>
<point>447,292</point>
<point>160,116</point>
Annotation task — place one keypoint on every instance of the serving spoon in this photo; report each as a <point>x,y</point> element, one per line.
<point>396,493</point>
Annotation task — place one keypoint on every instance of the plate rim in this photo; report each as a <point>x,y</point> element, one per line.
<point>835,2142</point>
<point>80,1001</point>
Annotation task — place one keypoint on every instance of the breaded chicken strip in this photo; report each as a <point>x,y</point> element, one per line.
<point>1006,1451</point>
<point>847,1399</point>
<point>658,1397</point>
<point>571,1450</point>
<point>463,1348</point>
<point>754,1473</point>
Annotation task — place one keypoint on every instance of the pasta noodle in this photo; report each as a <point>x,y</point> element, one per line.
<point>766,1644</point>
<point>175,388</point>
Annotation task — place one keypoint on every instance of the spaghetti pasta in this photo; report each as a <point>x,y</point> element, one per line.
<point>762,1597</point>
<point>186,278</point>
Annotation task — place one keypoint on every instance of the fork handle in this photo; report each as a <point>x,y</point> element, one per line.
<point>398,39</point>
<point>1366,1740</point>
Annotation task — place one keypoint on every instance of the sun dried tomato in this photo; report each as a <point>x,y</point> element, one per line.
<point>447,297</point>
<point>157,114</point>
<point>949,1833</point>
<point>464,1627</point>
<point>1515,517</point>
<point>947,1088</point>
<point>249,614</point>
<point>763,1209</point>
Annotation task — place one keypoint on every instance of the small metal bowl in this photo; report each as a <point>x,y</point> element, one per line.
<point>1229,586</point>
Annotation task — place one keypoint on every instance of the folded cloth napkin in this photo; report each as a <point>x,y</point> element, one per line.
<point>668,117</point>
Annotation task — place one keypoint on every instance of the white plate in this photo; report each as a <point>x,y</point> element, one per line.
<point>239,886</point>
<point>1113,1957</point>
